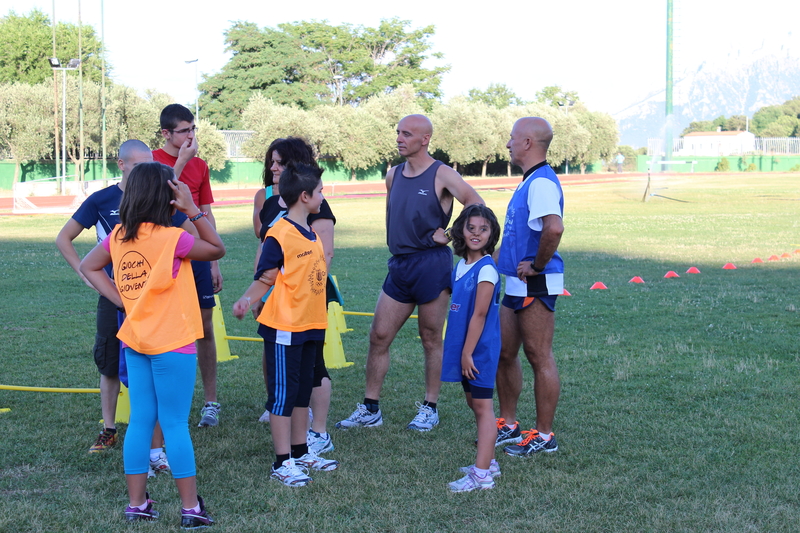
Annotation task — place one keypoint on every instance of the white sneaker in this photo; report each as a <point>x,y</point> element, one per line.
<point>426,418</point>
<point>290,474</point>
<point>264,419</point>
<point>361,417</point>
<point>472,481</point>
<point>494,469</point>
<point>312,460</point>
<point>319,443</point>
<point>159,465</point>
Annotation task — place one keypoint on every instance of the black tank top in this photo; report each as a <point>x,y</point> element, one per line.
<point>414,211</point>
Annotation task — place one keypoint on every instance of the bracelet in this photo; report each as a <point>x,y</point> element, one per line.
<point>537,270</point>
<point>447,233</point>
<point>198,216</point>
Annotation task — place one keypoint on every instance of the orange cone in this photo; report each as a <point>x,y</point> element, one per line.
<point>797,251</point>
<point>636,279</point>
<point>693,270</point>
<point>565,293</point>
<point>774,258</point>
<point>729,266</point>
<point>598,285</point>
<point>757,260</point>
<point>671,274</point>
<point>787,254</point>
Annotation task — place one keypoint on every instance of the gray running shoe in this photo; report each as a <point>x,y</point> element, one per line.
<point>209,415</point>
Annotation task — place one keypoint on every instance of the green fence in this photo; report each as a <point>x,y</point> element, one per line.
<point>735,163</point>
<point>236,174</point>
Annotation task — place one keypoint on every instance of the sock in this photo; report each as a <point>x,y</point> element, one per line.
<point>195,509</point>
<point>279,459</point>
<point>372,405</point>
<point>481,472</point>
<point>299,450</point>
<point>545,436</point>
<point>155,453</point>
<point>140,507</point>
<point>113,431</point>
<point>432,405</point>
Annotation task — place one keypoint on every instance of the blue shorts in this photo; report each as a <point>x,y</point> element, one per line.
<point>290,375</point>
<point>420,277</point>
<point>518,303</point>
<point>205,287</point>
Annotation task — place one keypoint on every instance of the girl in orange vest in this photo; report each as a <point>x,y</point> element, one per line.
<point>155,286</point>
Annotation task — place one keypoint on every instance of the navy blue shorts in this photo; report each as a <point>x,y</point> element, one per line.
<point>205,287</point>
<point>290,375</point>
<point>106,343</point>
<point>518,303</point>
<point>478,393</point>
<point>420,277</point>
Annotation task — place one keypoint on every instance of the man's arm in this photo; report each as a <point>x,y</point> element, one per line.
<point>455,185</point>
<point>552,229</point>
<point>68,233</point>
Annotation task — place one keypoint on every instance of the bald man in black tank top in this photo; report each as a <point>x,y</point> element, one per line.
<point>419,205</point>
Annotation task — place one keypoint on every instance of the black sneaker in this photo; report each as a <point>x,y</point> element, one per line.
<point>192,520</point>
<point>507,434</point>
<point>134,514</point>
<point>532,444</point>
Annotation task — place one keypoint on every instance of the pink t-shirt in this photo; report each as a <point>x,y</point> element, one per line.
<point>185,243</point>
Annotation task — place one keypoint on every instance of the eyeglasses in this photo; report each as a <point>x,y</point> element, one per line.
<point>184,130</point>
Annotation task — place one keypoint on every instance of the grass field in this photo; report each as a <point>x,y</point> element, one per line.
<point>679,405</point>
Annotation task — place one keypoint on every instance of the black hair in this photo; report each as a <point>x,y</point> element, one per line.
<point>457,231</point>
<point>173,114</point>
<point>297,179</point>
<point>293,150</point>
<point>146,198</point>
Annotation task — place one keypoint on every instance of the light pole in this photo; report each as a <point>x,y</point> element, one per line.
<point>196,89</point>
<point>566,105</point>
<point>337,80</point>
<point>55,64</point>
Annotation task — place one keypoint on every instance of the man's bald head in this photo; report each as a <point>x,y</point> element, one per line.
<point>131,153</point>
<point>419,123</point>
<point>413,135</point>
<point>530,139</point>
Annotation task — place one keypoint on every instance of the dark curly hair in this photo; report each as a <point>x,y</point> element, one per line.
<point>293,150</point>
<point>457,231</point>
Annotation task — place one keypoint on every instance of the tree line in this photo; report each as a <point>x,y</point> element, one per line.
<point>771,121</point>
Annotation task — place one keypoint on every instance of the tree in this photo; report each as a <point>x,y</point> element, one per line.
<point>271,62</point>
<point>784,126</point>
<point>310,63</point>
<point>26,43</point>
<point>603,137</point>
<point>555,96</point>
<point>497,95</point>
<point>25,122</point>
<point>699,125</point>
<point>389,109</point>
<point>470,131</point>
<point>735,123</point>
<point>211,145</point>
<point>270,120</point>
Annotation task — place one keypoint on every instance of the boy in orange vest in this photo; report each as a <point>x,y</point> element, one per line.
<point>294,317</point>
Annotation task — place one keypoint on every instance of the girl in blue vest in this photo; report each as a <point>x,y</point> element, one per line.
<point>472,339</point>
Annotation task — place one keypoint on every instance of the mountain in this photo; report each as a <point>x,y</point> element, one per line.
<point>740,83</point>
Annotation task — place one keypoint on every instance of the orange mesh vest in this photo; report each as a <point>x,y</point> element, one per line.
<point>298,301</point>
<point>162,313</point>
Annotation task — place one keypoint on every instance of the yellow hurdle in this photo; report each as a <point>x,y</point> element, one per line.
<point>220,335</point>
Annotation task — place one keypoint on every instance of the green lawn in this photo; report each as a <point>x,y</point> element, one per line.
<point>678,409</point>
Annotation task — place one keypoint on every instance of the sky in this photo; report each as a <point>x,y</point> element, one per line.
<point>612,53</point>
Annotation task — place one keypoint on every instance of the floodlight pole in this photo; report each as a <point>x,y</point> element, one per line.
<point>196,90</point>
<point>668,103</point>
<point>566,107</point>
<point>56,65</point>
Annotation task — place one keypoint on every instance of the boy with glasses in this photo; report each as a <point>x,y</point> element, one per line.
<point>179,152</point>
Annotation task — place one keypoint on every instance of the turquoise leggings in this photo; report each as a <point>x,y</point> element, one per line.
<point>161,388</point>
